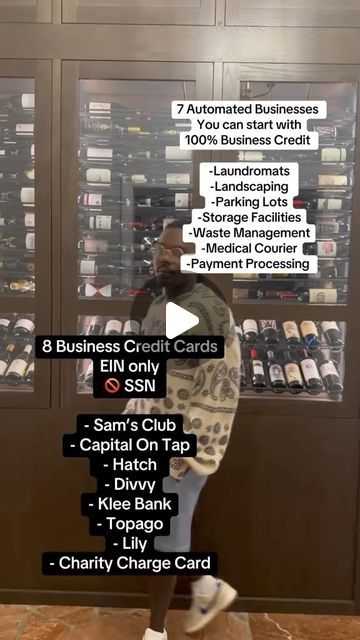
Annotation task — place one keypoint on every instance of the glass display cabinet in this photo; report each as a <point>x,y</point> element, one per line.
<point>124,178</point>
<point>25,230</point>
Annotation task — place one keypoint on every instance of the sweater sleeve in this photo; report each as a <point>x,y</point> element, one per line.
<point>210,407</point>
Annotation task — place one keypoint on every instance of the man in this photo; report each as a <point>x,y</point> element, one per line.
<point>206,394</point>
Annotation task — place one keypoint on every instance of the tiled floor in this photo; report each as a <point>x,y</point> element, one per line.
<point>85,623</point>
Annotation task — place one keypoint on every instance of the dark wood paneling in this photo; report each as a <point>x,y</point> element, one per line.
<point>25,10</point>
<point>158,43</point>
<point>290,513</point>
<point>140,12</point>
<point>290,508</point>
<point>293,13</point>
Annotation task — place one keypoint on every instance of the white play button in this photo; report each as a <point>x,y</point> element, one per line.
<point>178,320</point>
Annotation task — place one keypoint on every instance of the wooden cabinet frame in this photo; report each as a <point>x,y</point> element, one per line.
<point>161,12</point>
<point>13,11</point>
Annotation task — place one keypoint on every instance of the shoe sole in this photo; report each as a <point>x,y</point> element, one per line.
<point>227,595</point>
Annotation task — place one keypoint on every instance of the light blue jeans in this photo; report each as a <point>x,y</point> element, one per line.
<point>188,490</point>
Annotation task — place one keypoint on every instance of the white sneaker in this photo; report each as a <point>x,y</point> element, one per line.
<point>204,608</point>
<point>150,634</point>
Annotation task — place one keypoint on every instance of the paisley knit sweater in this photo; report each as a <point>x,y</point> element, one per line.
<point>205,392</point>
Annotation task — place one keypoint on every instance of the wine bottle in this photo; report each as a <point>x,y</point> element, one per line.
<point>269,332</point>
<point>243,381</point>
<point>95,327</point>
<point>320,296</point>
<point>132,328</point>
<point>327,227</point>
<point>328,270</point>
<point>5,358</point>
<point>328,180</point>
<point>291,333</point>
<point>89,375</point>
<point>24,326</point>
<point>310,373</point>
<point>22,220</point>
<point>332,335</point>
<point>292,374</point>
<point>250,331</point>
<point>331,132</point>
<point>30,373</point>
<point>6,324</point>
<point>18,102</point>
<point>24,175</point>
<point>99,175</point>
<point>18,130</point>
<point>113,327</point>
<point>25,195</point>
<point>328,248</point>
<point>95,267</point>
<point>23,285</point>
<point>16,370</point>
<point>316,203</point>
<point>89,290</point>
<point>325,155</point>
<point>310,335</point>
<point>99,222</point>
<point>12,151</point>
<point>330,376</point>
<point>26,241</point>
<point>258,380</point>
<point>101,201</point>
<point>177,200</point>
<point>276,374</point>
<point>100,245</point>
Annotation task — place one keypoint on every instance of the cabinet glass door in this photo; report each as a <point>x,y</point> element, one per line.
<point>326,181</point>
<point>124,177</point>
<point>17,187</point>
<point>25,230</point>
<point>133,180</point>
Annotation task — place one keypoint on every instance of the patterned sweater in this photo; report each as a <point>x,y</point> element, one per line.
<point>205,392</point>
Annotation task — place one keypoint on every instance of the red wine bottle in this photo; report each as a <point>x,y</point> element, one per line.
<point>17,368</point>
<point>310,373</point>
<point>250,331</point>
<point>113,327</point>
<point>6,324</point>
<point>332,335</point>
<point>95,327</point>
<point>328,248</point>
<point>291,333</point>
<point>269,332</point>
<point>292,374</point>
<point>330,376</point>
<point>258,380</point>
<point>276,374</point>
<point>310,335</point>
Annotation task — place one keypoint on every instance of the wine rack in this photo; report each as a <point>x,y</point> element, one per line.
<point>17,346</point>
<point>133,179</point>
<point>101,326</point>
<point>315,348</point>
<point>17,188</point>
<point>326,178</point>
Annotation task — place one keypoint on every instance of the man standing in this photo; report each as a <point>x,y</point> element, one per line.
<point>206,393</point>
